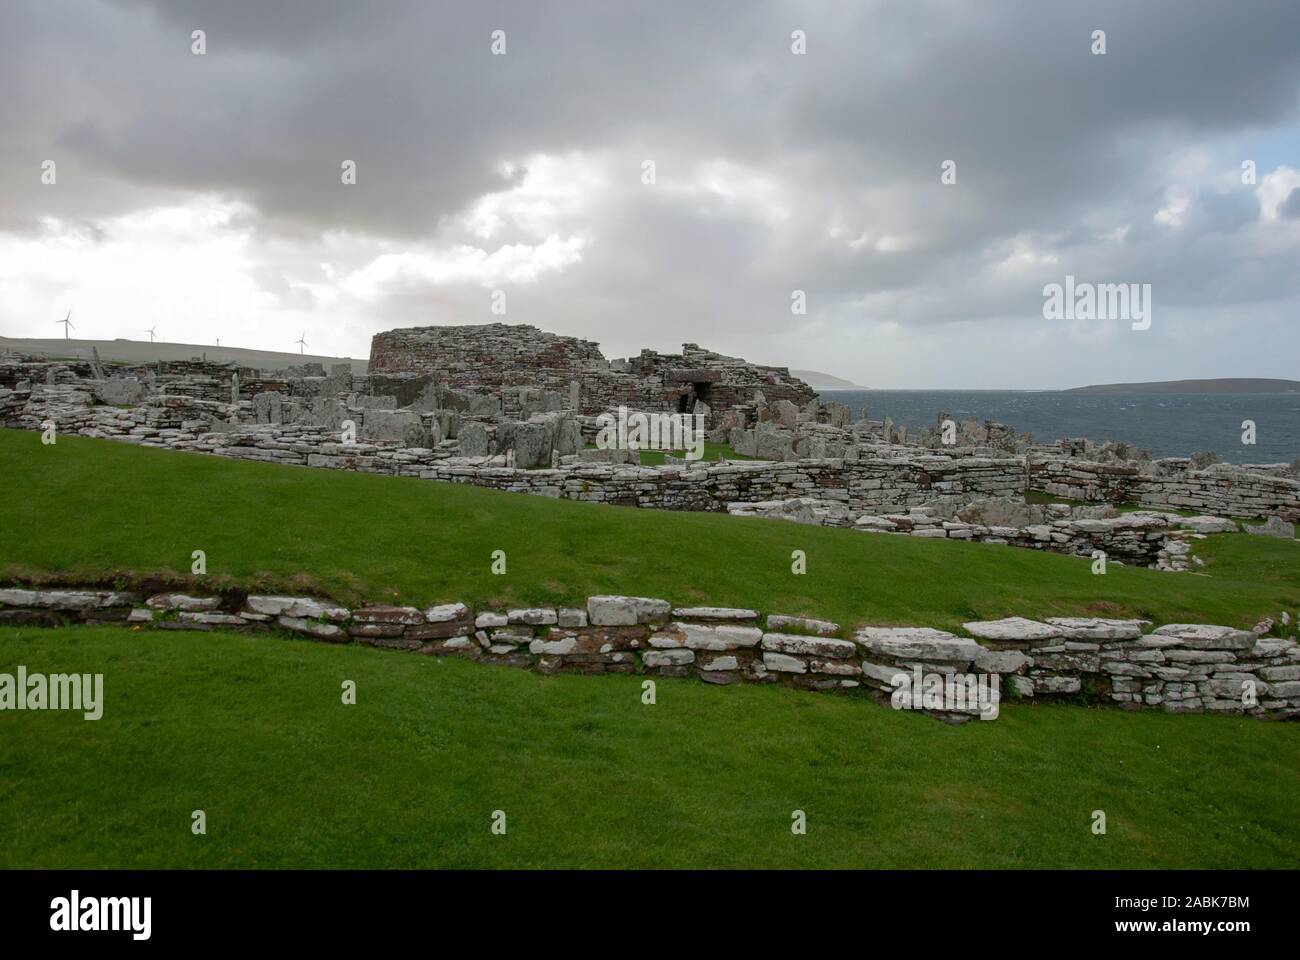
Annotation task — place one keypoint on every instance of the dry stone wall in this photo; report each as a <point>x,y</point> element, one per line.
<point>1220,489</point>
<point>858,484</point>
<point>1178,668</point>
<point>1137,539</point>
<point>497,358</point>
<point>1150,538</point>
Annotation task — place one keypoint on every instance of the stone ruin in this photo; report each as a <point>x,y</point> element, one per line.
<point>500,359</point>
<point>515,408</point>
<point>508,395</point>
<point>532,398</point>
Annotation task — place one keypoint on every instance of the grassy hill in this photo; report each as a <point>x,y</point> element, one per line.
<point>98,509</point>
<point>142,351</point>
<point>251,730</point>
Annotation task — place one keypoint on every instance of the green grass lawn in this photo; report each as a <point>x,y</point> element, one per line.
<point>251,730</point>
<point>96,509</point>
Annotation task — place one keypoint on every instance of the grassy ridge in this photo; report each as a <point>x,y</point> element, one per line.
<point>251,730</point>
<point>91,507</point>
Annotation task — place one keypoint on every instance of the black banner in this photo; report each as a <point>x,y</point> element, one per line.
<point>215,908</point>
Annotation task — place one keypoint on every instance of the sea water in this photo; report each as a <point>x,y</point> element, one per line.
<point>1169,425</point>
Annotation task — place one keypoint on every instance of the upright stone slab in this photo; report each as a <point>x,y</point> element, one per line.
<point>268,407</point>
<point>473,439</point>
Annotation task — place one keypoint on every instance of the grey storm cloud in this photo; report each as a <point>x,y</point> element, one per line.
<point>1055,148</point>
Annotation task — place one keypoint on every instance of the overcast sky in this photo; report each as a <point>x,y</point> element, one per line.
<point>204,193</point>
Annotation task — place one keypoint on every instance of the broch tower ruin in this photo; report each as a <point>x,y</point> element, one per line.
<point>504,358</point>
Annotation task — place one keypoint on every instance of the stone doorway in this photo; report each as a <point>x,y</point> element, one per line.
<point>694,391</point>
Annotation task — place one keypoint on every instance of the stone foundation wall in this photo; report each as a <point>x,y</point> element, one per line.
<point>1221,490</point>
<point>1179,668</point>
<point>858,484</point>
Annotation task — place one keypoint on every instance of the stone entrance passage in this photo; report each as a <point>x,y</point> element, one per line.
<point>693,392</point>
<point>692,385</point>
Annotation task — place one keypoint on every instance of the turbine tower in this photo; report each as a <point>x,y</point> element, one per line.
<point>151,332</point>
<point>67,324</point>
<point>302,343</point>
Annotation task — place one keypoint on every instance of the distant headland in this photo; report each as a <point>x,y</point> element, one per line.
<point>1220,385</point>
<point>824,381</point>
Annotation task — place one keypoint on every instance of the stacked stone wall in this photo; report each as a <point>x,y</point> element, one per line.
<point>858,484</point>
<point>1179,668</point>
<point>1221,490</point>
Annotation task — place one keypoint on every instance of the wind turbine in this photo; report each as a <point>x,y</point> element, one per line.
<point>302,344</point>
<point>67,324</point>
<point>151,332</point>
